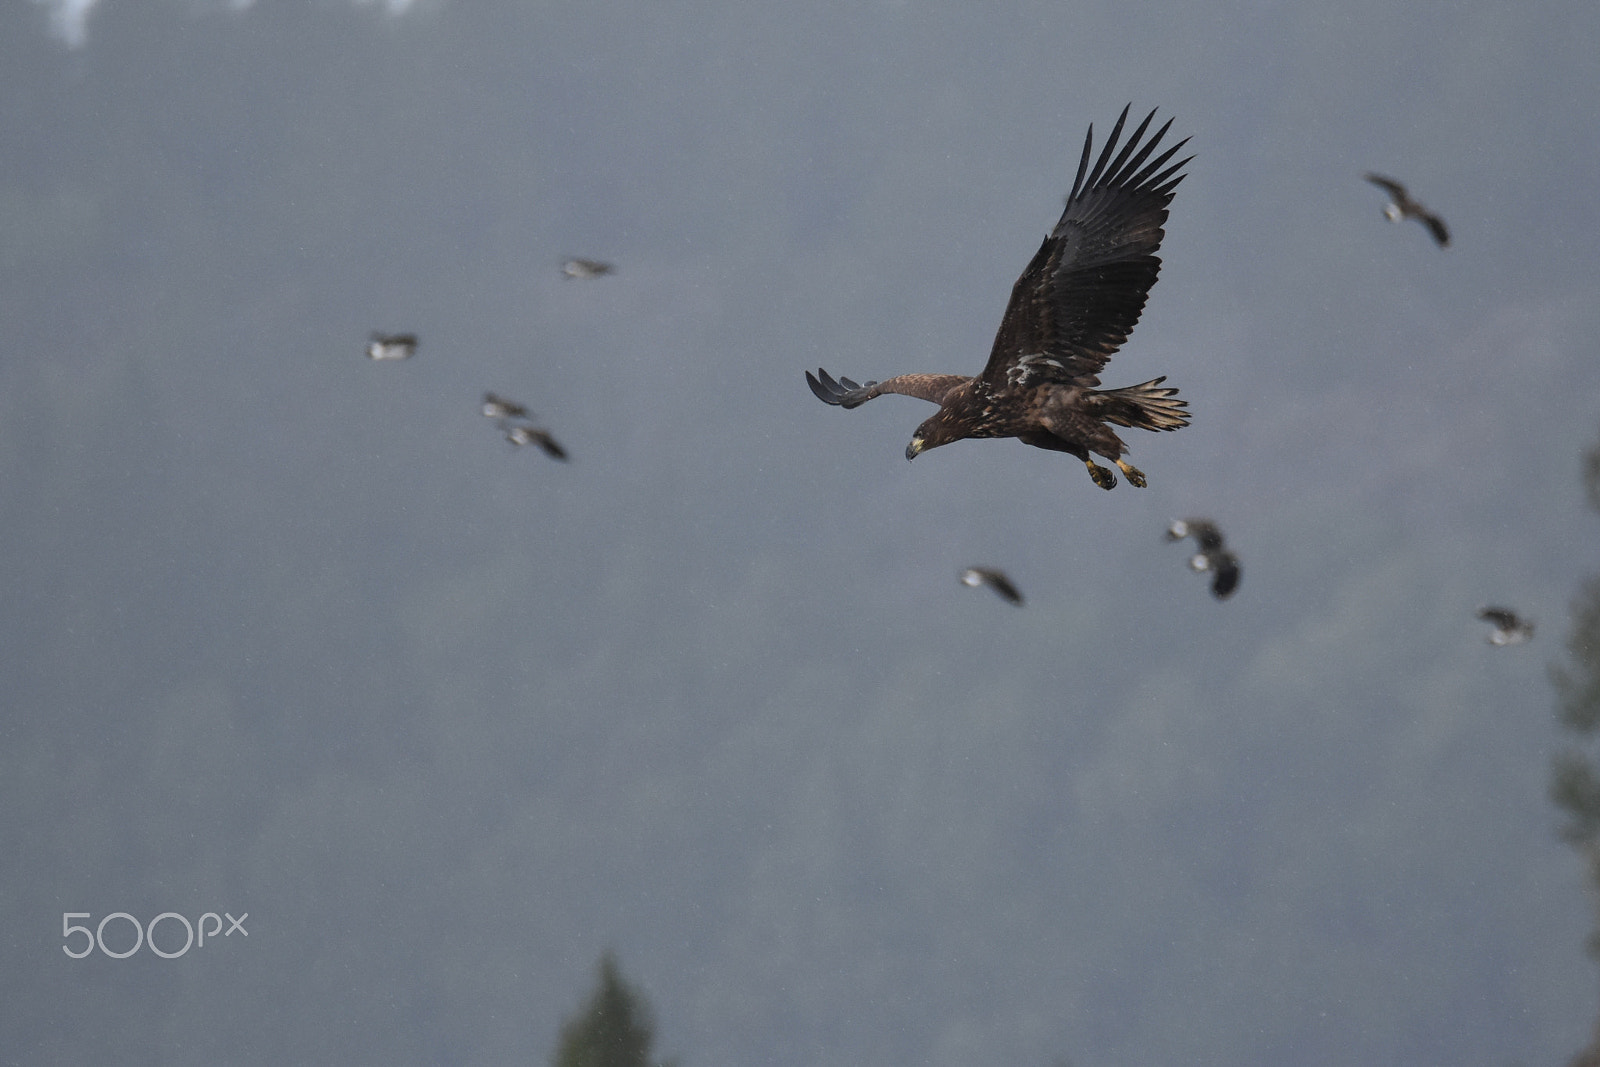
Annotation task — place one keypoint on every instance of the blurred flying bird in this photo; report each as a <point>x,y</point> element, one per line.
<point>994,579</point>
<point>523,434</point>
<point>1402,206</point>
<point>1224,568</point>
<point>1212,556</point>
<point>585,268</point>
<point>516,422</point>
<point>498,407</point>
<point>386,346</point>
<point>1509,627</point>
<point>1071,309</point>
<point>1206,536</point>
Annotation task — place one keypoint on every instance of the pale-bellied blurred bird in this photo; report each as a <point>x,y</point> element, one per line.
<point>522,434</point>
<point>994,579</point>
<point>585,268</point>
<point>391,346</point>
<point>498,407</point>
<point>1509,627</point>
<point>1402,206</point>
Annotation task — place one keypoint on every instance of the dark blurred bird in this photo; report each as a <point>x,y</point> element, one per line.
<point>1402,206</point>
<point>523,434</point>
<point>1212,556</point>
<point>1224,568</point>
<point>1071,309</point>
<point>498,407</point>
<point>1509,627</point>
<point>585,268</point>
<point>994,579</point>
<point>385,346</point>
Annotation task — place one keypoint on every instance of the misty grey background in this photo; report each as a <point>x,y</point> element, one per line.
<point>295,634</point>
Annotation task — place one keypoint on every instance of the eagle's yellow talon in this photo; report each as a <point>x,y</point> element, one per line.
<point>1102,477</point>
<point>1135,475</point>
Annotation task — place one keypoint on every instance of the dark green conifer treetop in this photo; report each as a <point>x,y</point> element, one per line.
<point>613,1029</point>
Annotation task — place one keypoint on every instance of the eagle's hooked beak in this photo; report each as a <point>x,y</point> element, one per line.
<point>914,449</point>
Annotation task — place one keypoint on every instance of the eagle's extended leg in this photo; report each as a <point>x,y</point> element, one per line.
<point>1135,475</point>
<point>1102,476</point>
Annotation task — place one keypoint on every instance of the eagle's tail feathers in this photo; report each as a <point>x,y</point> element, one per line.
<point>1146,406</point>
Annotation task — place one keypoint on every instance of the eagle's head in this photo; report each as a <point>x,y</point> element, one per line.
<point>941,429</point>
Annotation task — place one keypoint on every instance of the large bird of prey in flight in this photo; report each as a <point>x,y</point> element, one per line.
<point>1071,309</point>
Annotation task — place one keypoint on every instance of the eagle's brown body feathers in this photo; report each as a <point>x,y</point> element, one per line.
<point>1071,309</point>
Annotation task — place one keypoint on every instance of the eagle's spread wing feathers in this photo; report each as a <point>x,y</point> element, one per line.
<point>847,394</point>
<point>1083,292</point>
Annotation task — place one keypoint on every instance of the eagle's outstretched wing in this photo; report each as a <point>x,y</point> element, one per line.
<point>847,394</point>
<point>1086,286</point>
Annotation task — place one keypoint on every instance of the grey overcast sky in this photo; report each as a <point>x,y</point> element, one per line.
<point>295,634</point>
